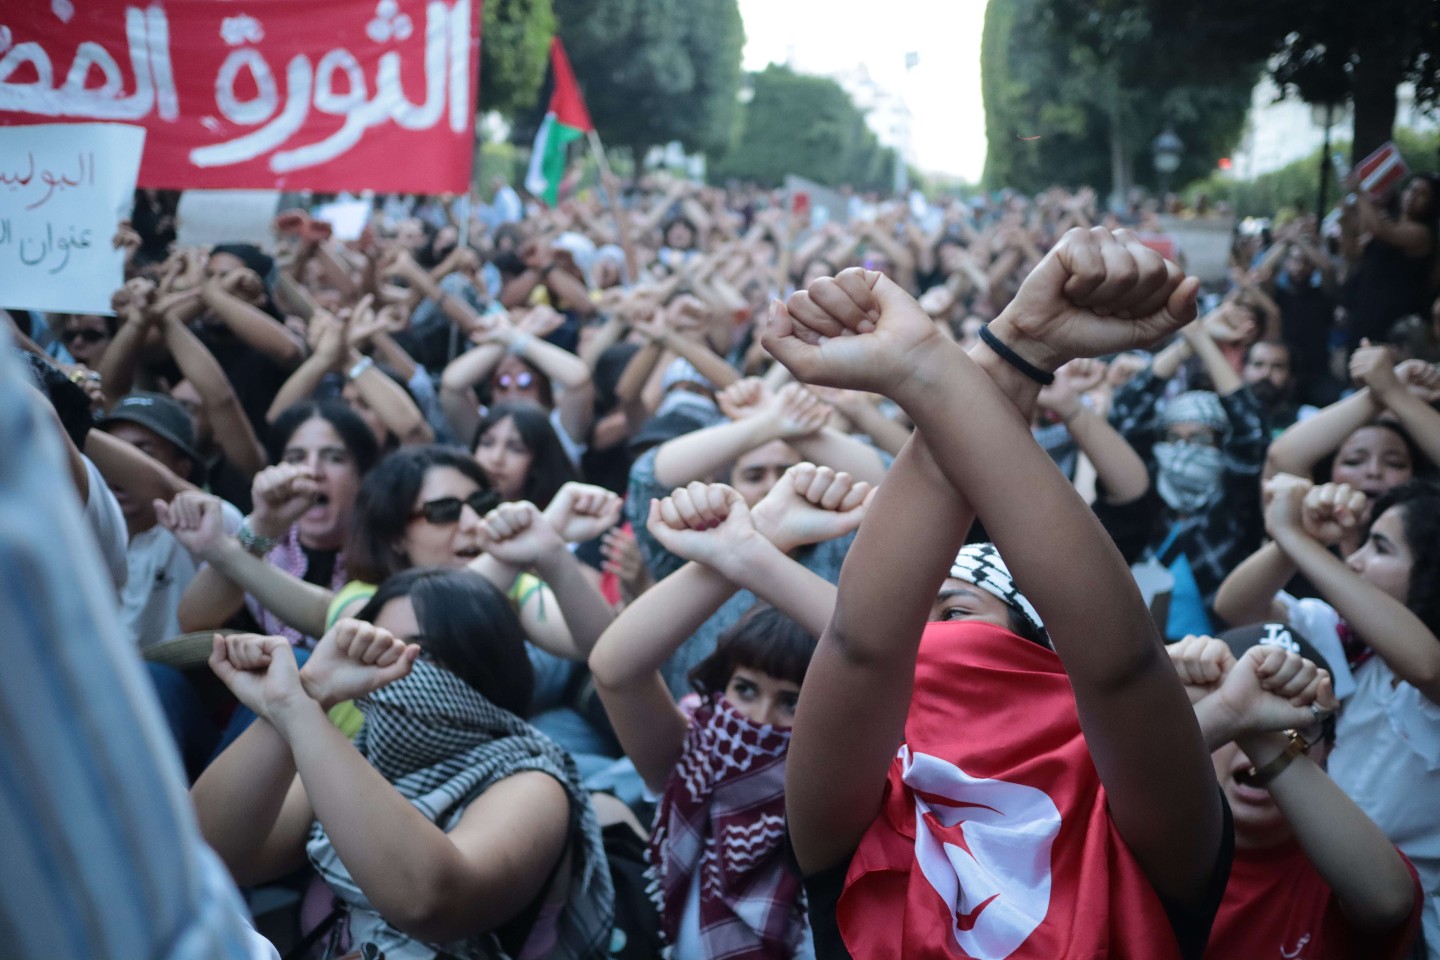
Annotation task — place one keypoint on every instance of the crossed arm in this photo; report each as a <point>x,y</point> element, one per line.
<point>1164,803</point>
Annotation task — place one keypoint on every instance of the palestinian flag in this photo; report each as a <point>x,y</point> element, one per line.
<point>566,120</point>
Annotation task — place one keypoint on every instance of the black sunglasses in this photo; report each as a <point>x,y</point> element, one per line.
<point>447,509</point>
<point>87,334</point>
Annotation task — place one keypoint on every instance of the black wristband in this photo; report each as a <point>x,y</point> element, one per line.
<point>1014,359</point>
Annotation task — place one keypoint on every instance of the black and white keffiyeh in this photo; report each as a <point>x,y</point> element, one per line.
<point>442,744</point>
<point>980,564</point>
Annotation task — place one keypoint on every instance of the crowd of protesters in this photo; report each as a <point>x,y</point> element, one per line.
<point>678,570</point>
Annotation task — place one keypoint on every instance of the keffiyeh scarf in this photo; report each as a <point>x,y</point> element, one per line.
<point>442,744</point>
<point>721,823</point>
<point>980,564</point>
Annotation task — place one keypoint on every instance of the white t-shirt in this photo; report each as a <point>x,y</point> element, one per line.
<point>103,517</point>
<point>160,570</point>
<point>1387,759</point>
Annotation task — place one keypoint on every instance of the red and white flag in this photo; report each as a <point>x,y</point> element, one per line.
<point>1382,171</point>
<point>994,841</point>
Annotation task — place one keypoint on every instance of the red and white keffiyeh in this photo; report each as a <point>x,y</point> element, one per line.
<point>721,823</point>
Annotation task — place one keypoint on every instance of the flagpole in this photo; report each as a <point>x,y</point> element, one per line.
<point>607,178</point>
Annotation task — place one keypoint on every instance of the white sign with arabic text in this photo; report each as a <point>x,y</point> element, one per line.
<point>64,187</point>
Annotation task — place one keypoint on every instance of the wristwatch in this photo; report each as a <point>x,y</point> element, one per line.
<point>251,541</point>
<point>1297,745</point>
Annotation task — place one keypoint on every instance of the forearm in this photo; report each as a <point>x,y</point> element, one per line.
<point>1117,464</point>
<point>392,852</point>
<point>569,292</point>
<point>1222,375</point>
<point>1399,637</point>
<point>140,474</point>
<point>302,605</point>
<point>887,434</point>
<point>255,328</point>
<point>831,448</point>
<point>702,454</point>
<point>337,273</point>
<point>1167,362</point>
<point>800,594</point>
<point>300,385</point>
<point>1420,420</point>
<point>392,405</point>
<point>1248,594</point>
<point>584,609</point>
<point>516,291</point>
<point>471,367</point>
<point>117,366</point>
<point>650,630</point>
<point>1364,870</point>
<point>637,373</point>
<point>209,601</point>
<point>395,356</point>
<point>231,428</point>
<point>987,444</point>
<point>707,361</point>
<point>561,366</point>
<point>293,297</point>
<point>1307,442</point>
<point>239,796</point>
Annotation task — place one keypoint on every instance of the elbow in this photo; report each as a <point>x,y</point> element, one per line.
<point>426,912</point>
<point>1389,905</point>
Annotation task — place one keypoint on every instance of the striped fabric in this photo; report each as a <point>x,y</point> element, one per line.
<point>101,854</point>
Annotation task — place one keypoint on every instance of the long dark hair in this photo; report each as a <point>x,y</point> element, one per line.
<point>764,639</point>
<point>354,433</point>
<point>1419,501</point>
<point>550,466</point>
<point>383,505</point>
<point>469,627</point>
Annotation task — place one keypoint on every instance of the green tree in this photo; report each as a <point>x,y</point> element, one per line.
<point>1071,105</point>
<point>657,70</point>
<point>1327,51</point>
<point>807,126</point>
<point>514,51</point>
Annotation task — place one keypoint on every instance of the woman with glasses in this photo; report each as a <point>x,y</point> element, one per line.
<point>449,827</point>
<point>433,507</point>
<point>1204,450</point>
<point>517,365</point>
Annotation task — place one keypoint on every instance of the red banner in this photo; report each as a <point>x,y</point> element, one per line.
<point>323,95</point>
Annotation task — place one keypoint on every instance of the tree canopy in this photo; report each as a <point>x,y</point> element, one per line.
<point>654,71</point>
<point>514,51</point>
<point>1072,106</point>
<point>804,125</point>
<point>1327,51</point>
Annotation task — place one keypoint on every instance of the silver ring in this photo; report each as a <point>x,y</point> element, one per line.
<point>1318,713</point>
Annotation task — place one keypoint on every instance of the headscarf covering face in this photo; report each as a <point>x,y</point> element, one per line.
<point>980,564</point>
<point>1189,474</point>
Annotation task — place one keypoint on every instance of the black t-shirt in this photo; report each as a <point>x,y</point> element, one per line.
<point>1191,922</point>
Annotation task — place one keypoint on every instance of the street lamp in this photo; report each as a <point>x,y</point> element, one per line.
<point>1167,149</point>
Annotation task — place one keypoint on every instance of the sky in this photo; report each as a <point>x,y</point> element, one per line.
<point>942,91</point>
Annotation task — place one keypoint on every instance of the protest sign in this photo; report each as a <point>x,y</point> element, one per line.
<point>64,188</point>
<point>207,217</point>
<point>325,95</point>
<point>347,218</point>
